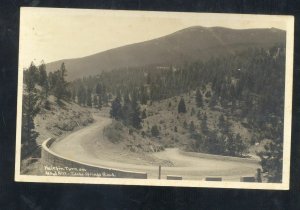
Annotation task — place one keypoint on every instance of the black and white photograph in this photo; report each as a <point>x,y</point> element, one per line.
<point>154,98</point>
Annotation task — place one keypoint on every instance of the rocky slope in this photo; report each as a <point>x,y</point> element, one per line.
<point>60,120</point>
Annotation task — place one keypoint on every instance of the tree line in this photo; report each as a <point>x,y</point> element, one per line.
<point>38,85</point>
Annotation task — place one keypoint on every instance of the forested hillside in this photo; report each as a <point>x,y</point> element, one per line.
<point>251,84</point>
<point>224,105</point>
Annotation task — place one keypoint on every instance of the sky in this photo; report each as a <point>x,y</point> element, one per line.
<point>50,34</point>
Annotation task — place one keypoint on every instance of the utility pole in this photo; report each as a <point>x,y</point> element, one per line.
<point>159,171</point>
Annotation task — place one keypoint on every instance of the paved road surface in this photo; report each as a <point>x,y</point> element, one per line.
<point>74,147</point>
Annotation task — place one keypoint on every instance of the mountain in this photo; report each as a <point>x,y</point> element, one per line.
<point>187,45</point>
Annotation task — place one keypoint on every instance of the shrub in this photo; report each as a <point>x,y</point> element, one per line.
<point>143,134</point>
<point>113,134</point>
<point>208,94</point>
<point>47,105</point>
<point>185,124</point>
<point>155,131</point>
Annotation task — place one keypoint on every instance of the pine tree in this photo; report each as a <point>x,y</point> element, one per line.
<point>63,71</point>
<point>143,133</point>
<point>181,106</point>
<point>43,79</point>
<point>59,83</point>
<point>192,127</point>
<point>73,94</point>
<point>104,95</point>
<point>199,98</point>
<point>154,131</point>
<point>148,79</point>
<point>81,95</point>
<point>100,93</point>
<point>213,101</point>
<point>31,77</point>
<point>199,115</point>
<point>30,108</point>
<point>272,160</point>
<point>240,147</point>
<point>226,126</point>
<point>211,143</point>
<point>89,97</point>
<point>185,125</point>
<point>99,102</point>
<point>127,109</point>
<point>204,126</point>
<point>29,111</point>
<point>208,94</point>
<point>116,109</point>
<point>234,145</point>
<point>98,89</point>
<point>135,115</point>
<point>95,101</point>
<point>144,115</point>
<point>221,122</point>
<point>193,111</point>
<point>175,129</point>
<point>144,95</point>
<point>58,89</point>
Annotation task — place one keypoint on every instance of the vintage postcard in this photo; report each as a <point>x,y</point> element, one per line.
<point>154,98</point>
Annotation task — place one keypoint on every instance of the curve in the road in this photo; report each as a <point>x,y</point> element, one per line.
<point>189,167</point>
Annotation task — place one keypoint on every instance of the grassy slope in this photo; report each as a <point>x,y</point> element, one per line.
<point>159,113</point>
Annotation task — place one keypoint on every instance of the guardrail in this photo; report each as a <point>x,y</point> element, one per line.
<point>220,157</point>
<point>57,165</point>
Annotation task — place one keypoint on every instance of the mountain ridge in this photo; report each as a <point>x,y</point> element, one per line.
<point>186,45</point>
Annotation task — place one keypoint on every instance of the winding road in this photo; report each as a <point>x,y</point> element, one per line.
<point>82,145</point>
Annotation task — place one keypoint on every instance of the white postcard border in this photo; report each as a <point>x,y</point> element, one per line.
<point>174,183</point>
